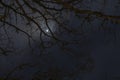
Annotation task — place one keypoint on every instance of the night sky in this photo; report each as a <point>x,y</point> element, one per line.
<point>102,46</point>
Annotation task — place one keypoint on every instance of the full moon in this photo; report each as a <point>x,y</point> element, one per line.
<point>51,27</point>
<point>46,30</point>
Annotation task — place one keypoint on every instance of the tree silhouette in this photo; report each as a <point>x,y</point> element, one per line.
<point>47,23</point>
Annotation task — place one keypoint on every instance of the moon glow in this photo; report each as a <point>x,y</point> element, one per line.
<point>49,27</point>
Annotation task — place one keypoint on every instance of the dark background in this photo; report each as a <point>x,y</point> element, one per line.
<point>102,46</point>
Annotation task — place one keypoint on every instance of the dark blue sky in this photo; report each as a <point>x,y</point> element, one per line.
<point>102,45</point>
